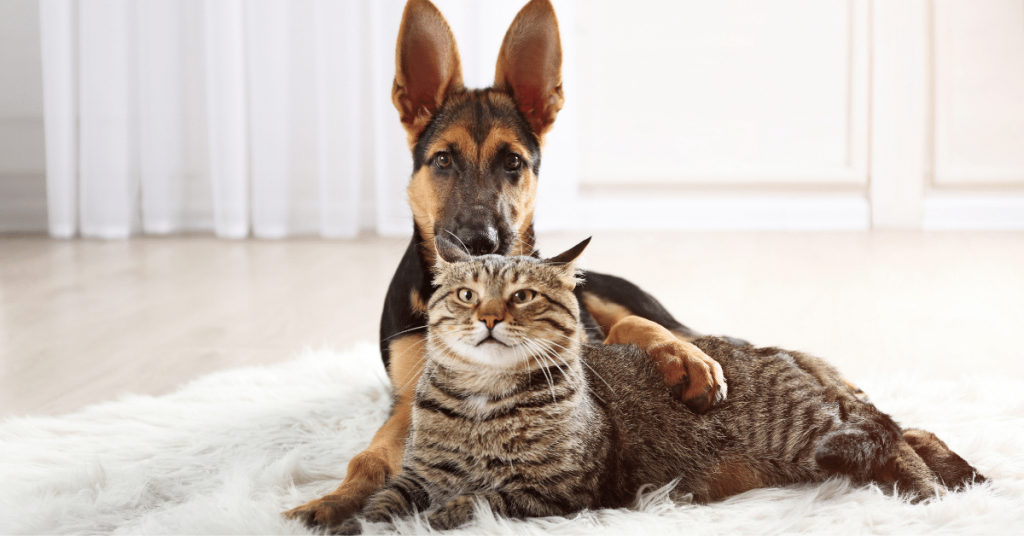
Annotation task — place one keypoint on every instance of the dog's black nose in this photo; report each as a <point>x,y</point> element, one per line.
<point>482,242</point>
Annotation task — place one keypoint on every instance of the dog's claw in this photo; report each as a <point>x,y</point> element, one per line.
<point>707,399</point>
<point>693,377</point>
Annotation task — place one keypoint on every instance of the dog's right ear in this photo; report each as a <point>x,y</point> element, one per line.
<point>427,66</point>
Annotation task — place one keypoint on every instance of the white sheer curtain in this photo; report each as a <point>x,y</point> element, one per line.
<point>265,118</point>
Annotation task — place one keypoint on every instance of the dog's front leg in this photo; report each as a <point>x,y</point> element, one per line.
<point>681,363</point>
<point>371,468</point>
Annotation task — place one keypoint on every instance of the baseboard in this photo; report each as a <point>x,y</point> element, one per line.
<point>975,213</point>
<point>759,213</point>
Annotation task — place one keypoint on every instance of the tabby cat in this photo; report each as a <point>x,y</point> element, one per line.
<point>515,410</point>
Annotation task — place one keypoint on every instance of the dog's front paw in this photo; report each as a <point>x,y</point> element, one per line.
<point>327,511</point>
<point>693,376</point>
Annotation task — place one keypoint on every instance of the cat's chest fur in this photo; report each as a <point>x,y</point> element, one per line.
<point>512,430</point>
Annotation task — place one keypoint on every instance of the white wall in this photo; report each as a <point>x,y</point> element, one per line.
<point>22,156</point>
<point>801,114</point>
<point>979,93</point>
<point>726,92</point>
<point>975,163</point>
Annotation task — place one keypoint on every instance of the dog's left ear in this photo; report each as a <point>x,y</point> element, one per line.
<point>567,260</point>
<point>530,65</point>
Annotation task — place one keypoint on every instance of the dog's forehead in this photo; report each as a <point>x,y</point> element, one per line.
<point>473,144</point>
<point>478,123</point>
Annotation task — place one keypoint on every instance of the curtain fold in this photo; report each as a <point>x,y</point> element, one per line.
<point>341,143</point>
<point>264,118</point>
<point>161,116</point>
<point>227,116</point>
<point>60,88</point>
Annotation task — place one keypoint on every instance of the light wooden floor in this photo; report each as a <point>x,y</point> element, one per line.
<point>85,321</point>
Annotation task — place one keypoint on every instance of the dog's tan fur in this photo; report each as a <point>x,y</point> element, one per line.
<point>680,362</point>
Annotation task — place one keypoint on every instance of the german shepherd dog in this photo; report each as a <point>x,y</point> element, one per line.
<point>476,159</point>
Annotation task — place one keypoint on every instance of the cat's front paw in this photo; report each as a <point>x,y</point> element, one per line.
<point>693,376</point>
<point>349,526</point>
<point>453,514</point>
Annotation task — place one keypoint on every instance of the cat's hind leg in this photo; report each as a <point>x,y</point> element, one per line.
<point>870,447</point>
<point>953,471</point>
<point>909,474</point>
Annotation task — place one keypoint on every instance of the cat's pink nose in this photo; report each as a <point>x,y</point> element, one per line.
<point>490,319</point>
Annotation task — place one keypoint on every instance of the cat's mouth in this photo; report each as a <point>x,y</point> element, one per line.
<point>491,340</point>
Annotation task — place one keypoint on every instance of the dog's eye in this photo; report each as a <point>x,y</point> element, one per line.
<point>443,160</point>
<point>523,296</point>
<point>467,295</point>
<point>513,162</point>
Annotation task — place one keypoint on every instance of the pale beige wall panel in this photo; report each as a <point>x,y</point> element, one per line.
<point>723,93</point>
<point>979,92</point>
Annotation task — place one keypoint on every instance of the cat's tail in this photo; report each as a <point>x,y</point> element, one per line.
<point>861,446</point>
<point>869,447</point>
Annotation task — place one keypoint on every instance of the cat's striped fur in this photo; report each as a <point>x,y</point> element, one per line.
<point>514,410</point>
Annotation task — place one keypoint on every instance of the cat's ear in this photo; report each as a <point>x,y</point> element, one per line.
<point>567,259</point>
<point>569,255</point>
<point>449,252</point>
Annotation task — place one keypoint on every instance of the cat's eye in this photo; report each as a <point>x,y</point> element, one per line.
<point>467,295</point>
<point>443,159</point>
<point>523,296</point>
<point>513,162</point>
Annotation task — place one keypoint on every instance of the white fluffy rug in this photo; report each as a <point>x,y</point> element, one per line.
<point>228,452</point>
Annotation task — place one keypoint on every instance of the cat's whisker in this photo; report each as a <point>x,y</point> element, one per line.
<point>550,354</point>
<point>457,238</point>
<point>584,361</point>
<point>579,381</point>
<point>403,332</point>
<point>424,357</point>
<point>547,373</point>
<point>530,249</point>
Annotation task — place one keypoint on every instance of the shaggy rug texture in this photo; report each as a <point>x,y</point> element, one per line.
<point>228,452</point>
